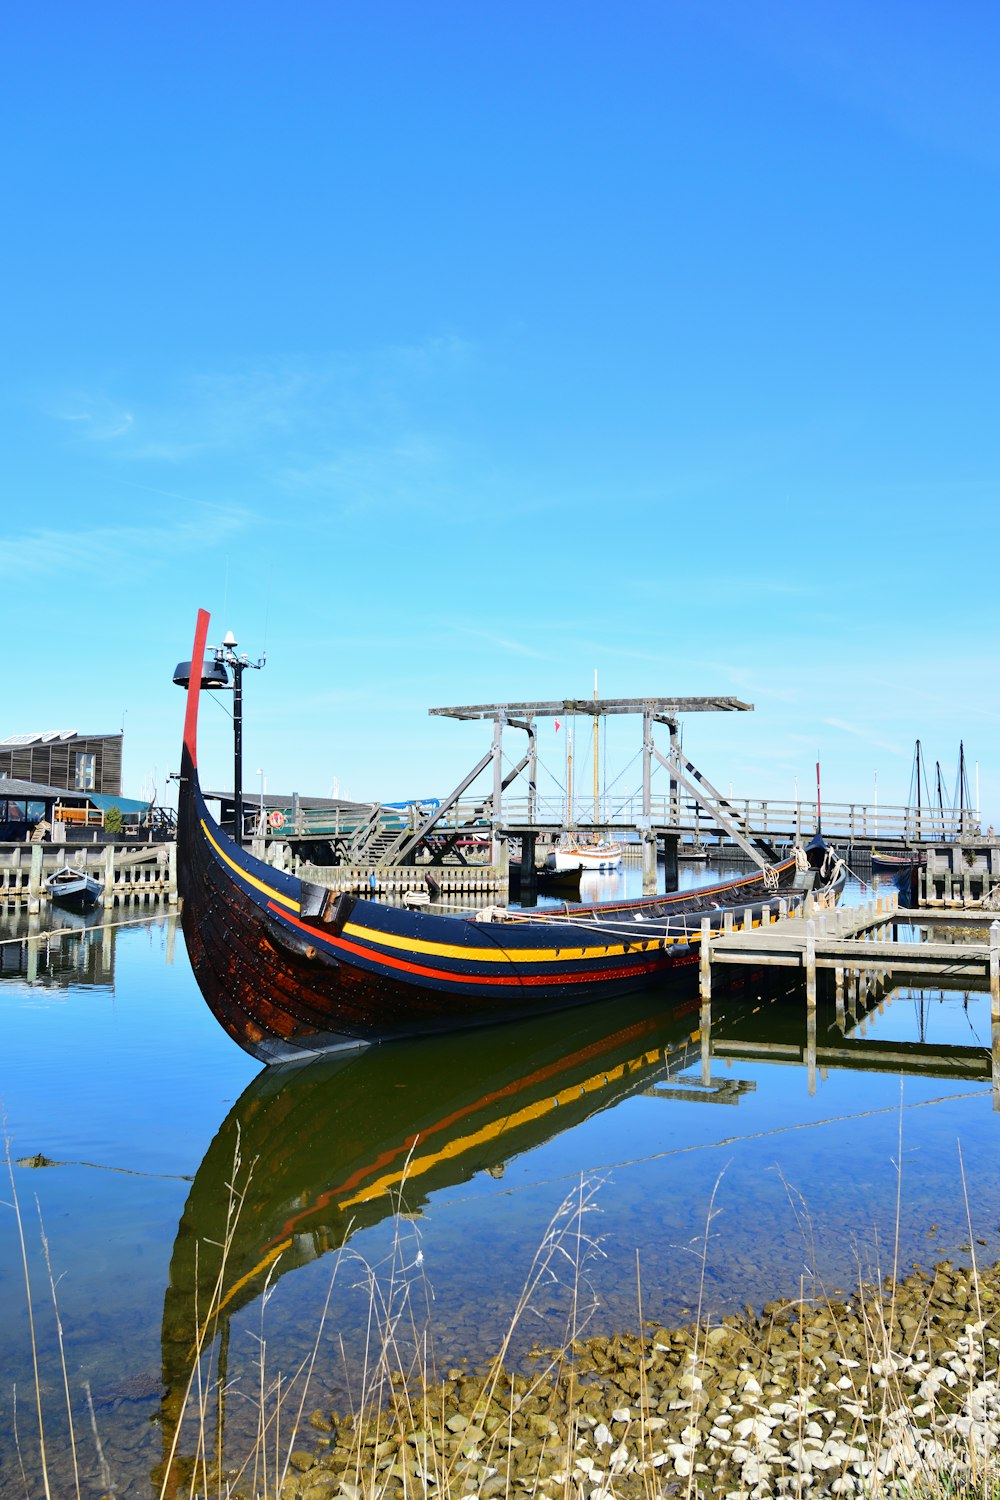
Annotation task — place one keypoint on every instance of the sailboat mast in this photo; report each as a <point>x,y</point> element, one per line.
<point>569,775</point>
<point>596,793</point>
<point>819,803</point>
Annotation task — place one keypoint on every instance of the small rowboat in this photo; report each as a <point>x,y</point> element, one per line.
<point>290,967</point>
<point>884,863</point>
<point>598,856</point>
<point>73,889</point>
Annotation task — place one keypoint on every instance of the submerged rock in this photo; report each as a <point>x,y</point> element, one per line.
<point>897,1385</point>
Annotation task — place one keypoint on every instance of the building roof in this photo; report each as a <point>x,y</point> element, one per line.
<point>252,798</point>
<point>45,738</point>
<point>10,786</point>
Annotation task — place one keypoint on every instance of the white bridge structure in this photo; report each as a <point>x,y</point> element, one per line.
<point>508,807</point>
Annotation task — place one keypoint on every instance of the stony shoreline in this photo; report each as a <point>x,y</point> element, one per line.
<point>896,1387</point>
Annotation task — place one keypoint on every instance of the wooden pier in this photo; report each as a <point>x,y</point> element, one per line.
<point>147,872</point>
<point>854,940</point>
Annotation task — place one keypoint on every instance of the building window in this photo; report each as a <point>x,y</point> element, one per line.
<point>83,778</point>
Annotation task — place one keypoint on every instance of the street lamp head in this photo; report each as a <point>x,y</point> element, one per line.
<point>213,674</point>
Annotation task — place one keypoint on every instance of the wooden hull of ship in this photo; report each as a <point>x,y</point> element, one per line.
<point>288,967</point>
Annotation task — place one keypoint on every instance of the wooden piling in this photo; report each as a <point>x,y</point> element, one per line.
<point>705,961</point>
<point>35,880</point>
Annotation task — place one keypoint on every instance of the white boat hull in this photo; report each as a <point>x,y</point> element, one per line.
<point>588,857</point>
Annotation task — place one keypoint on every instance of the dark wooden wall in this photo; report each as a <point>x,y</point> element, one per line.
<point>54,764</point>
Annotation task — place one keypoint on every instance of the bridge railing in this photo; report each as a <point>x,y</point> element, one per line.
<point>857,822</point>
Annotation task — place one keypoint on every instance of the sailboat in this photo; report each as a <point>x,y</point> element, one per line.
<point>904,862</point>
<point>572,853</point>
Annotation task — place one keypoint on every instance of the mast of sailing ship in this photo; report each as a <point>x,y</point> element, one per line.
<point>596,802</point>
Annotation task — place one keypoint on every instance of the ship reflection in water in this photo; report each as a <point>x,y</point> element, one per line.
<point>335,1145</point>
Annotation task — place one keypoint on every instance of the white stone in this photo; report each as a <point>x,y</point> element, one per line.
<point>602,1436</point>
<point>622,1414</point>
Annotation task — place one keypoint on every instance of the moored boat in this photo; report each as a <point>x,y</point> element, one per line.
<point>603,854</point>
<point>899,863</point>
<point>73,889</point>
<point>290,967</point>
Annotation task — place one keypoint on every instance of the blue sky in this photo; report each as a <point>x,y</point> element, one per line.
<point>449,352</point>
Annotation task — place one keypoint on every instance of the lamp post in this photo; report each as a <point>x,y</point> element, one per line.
<point>214,675</point>
<point>228,656</point>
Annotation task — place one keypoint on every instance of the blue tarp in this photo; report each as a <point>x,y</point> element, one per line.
<point>129,805</point>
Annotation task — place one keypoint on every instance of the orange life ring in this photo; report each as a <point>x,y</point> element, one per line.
<point>277,819</point>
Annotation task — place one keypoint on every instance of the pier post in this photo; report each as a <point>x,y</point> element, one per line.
<point>528,888</point>
<point>648,862</point>
<point>35,879</point>
<point>727,921</point>
<point>172,873</point>
<point>670,877</point>
<point>705,960</point>
<point>108,898</point>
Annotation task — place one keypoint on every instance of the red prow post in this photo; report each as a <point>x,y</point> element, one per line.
<point>194,686</point>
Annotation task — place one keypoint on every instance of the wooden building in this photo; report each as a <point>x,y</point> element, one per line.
<point>64,758</point>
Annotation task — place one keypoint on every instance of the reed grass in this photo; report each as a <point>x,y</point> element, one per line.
<point>586,1419</point>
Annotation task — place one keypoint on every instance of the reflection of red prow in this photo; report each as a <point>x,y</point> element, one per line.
<point>194,686</point>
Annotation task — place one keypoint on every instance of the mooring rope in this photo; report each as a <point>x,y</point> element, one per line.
<point>51,932</point>
<point>729,1140</point>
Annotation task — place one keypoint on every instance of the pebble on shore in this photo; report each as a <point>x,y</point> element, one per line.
<point>899,1383</point>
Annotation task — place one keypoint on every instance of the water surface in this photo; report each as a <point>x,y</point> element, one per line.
<point>718,1171</point>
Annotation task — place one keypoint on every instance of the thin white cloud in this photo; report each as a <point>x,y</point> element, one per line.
<point>98,548</point>
<point>861,733</point>
<point>97,420</point>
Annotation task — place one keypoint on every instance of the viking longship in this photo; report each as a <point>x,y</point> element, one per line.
<point>289,966</point>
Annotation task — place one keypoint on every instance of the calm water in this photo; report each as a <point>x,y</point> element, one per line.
<point>434,1171</point>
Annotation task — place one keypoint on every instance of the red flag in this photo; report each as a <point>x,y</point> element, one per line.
<point>557,726</point>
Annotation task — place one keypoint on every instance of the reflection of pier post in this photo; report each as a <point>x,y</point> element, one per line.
<point>811,1003</point>
<point>995,1008</point>
<point>705,960</point>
